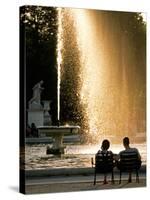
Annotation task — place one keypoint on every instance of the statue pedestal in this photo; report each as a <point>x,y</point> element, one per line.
<point>36,116</point>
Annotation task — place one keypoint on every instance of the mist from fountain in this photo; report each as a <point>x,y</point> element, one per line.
<point>98,62</point>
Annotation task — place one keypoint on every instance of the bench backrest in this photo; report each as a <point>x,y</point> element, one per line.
<point>129,161</point>
<point>104,162</point>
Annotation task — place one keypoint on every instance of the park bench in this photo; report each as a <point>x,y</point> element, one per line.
<point>104,164</point>
<point>129,163</point>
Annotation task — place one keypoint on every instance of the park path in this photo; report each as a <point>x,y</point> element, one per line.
<point>78,183</point>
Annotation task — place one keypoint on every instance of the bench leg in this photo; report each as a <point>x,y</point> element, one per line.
<point>105,179</point>
<point>120,177</point>
<point>137,176</point>
<point>95,177</point>
<point>130,177</point>
<point>112,178</point>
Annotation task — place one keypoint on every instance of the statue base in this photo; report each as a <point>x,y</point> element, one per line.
<point>36,116</point>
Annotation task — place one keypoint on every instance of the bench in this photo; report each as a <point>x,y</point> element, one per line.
<point>104,164</point>
<point>129,163</point>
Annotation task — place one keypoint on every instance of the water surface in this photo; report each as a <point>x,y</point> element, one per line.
<point>76,156</point>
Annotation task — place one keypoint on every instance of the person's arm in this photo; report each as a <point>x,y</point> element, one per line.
<point>139,156</point>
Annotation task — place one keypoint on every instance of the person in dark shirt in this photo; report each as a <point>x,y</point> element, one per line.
<point>104,159</point>
<point>128,149</point>
<point>127,152</point>
<point>104,147</point>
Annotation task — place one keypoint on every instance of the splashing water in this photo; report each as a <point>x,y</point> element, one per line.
<point>92,70</point>
<point>103,62</point>
<point>59,58</point>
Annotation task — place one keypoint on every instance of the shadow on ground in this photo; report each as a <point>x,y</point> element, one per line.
<point>86,186</point>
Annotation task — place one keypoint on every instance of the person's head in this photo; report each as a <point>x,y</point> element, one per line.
<point>105,145</point>
<point>33,125</point>
<point>126,142</point>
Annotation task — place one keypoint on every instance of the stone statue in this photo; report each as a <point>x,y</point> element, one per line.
<point>36,99</point>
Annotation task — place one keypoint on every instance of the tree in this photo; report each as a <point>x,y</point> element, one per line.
<point>38,32</point>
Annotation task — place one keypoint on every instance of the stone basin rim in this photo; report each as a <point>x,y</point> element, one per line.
<point>58,127</point>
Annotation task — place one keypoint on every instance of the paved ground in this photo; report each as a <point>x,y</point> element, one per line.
<point>78,183</point>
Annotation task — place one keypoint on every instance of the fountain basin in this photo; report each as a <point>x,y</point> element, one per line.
<point>57,133</point>
<point>57,130</point>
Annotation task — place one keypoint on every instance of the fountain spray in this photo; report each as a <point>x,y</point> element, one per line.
<point>59,59</point>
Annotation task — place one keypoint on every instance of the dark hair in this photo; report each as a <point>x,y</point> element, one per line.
<point>105,145</point>
<point>126,141</point>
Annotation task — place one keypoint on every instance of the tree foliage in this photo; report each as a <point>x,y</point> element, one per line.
<point>38,27</point>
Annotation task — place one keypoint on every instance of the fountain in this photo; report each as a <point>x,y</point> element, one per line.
<point>103,66</point>
<point>102,56</point>
<point>56,132</point>
<point>93,50</point>
<point>39,115</point>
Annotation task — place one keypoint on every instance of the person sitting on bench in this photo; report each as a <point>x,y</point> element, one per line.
<point>129,159</point>
<point>104,161</point>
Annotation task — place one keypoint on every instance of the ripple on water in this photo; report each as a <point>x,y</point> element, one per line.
<point>77,157</point>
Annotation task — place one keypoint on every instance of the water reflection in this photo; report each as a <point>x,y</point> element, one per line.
<point>77,156</point>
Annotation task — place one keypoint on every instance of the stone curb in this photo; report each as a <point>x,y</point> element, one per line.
<point>67,172</point>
